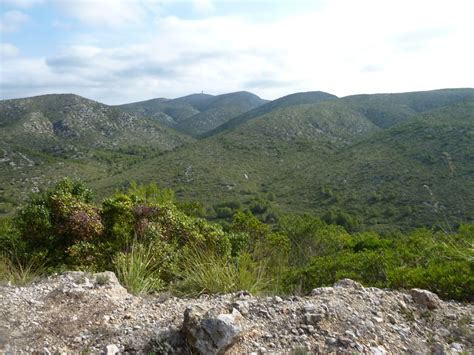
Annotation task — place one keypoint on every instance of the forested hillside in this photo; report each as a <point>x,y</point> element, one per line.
<point>384,161</point>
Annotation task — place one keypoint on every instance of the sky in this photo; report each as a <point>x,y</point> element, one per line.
<point>120,51</point>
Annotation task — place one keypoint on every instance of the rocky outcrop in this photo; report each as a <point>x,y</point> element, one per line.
<point>76,312</point>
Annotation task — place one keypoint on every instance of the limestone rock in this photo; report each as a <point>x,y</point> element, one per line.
<point>348,283</point>
<point>111,349</point>
<point>94,312</point>
<point>425,298</point>
<point>210,331</point>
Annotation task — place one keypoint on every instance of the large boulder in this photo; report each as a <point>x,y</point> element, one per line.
<point>211,331</point>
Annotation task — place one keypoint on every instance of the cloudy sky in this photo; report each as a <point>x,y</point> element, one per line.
<point>118,51</point>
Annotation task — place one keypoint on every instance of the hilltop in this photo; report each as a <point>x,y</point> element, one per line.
<point>196,114</point>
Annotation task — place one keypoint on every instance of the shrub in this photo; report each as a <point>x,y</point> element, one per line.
<point>52,222</point>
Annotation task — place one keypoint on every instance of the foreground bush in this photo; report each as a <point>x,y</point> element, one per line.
<point>154,243</point>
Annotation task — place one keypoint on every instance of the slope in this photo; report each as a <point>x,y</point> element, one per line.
<point>329,158</point>
<point>419,173</point>
<point>261,155</point>
<point>44,137</point>
<point>310,97</point>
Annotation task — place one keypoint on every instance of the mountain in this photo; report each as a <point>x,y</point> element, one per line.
<point>49,136</point>
<point>197,113</point>
<point>333,159</point>
<point>386,110</point>
<point>262,155</point>
<point>310,97</point>
<point>384,161</point>
<point>420,172</point>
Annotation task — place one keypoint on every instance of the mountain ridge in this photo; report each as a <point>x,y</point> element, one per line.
<point>196,114</point>
<point>366,155</point>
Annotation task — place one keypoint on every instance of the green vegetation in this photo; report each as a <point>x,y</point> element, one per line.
<point>385,162</point>
<point>332,159</point>
<point>156,244</point>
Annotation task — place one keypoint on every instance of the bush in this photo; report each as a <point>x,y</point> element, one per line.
<point>52,222</point>
<point>153,244</point>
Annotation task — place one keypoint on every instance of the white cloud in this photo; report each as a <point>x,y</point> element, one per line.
<point>203,6</point>
<point>8,50</point>
<point>22,4</point>
<point>109,13</point>
<point>345,48</point>
<point>11,21</point>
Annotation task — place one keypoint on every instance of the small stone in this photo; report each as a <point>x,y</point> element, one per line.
<point>350,333</point>
<point>402,304</point>
<point>443,332</point>
<point>378,350</point>
<point>331,341</point>
<point>456,346</point>
<point>369,324</point>
<point>345,342</point>
<point>438,349</point>
<point>111,349</point>
<point>377,319</point>
<point>310,318</point>
<point>243,294</point>
<point>451,316</point>
<point>278,299</point>
<point>359,347</point>
<point>242,307</point>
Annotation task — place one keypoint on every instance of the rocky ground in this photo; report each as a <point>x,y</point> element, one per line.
<point>77,312</point>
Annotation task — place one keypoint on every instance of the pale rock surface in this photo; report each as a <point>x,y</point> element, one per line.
<point>78,312</point>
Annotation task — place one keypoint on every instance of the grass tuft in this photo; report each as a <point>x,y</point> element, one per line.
<point>137,269</point>
<point>19,273</point>
<point>205,272</point>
